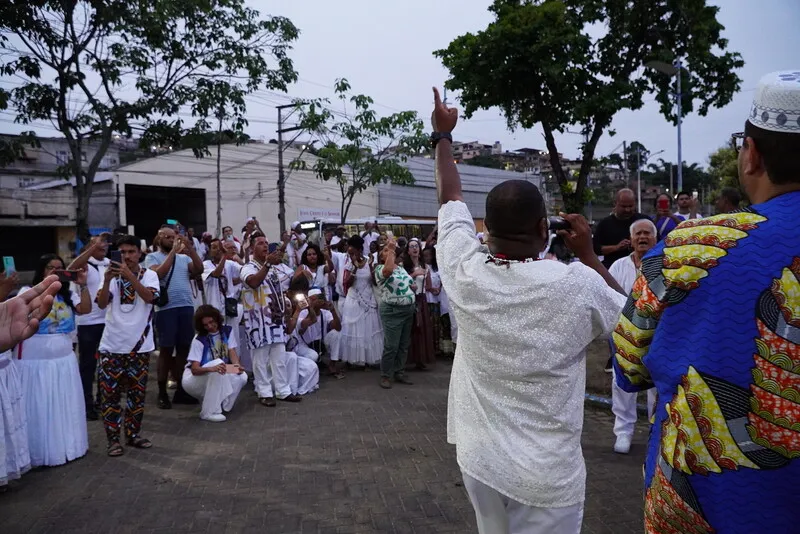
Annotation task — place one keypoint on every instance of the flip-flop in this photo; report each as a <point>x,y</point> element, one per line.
<point>140,442</point>
<point>114,450</point>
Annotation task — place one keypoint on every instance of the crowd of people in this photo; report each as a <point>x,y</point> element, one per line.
<point>703,313</point>
<point>218,311</point>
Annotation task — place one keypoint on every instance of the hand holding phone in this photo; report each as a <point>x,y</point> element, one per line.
<point>115,256</point>
<point>66,276</point>
<point>8,265</point>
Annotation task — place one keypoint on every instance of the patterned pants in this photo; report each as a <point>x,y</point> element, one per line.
<point>118,372</point>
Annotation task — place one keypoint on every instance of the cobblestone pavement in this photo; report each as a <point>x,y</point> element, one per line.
<point>350,458</point>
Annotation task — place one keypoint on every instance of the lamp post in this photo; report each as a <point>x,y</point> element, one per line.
<point>674,70</point>
<point>639,174</point>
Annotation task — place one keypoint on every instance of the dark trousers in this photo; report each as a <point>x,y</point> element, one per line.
<point>88,341</point>
<point>397,321</point>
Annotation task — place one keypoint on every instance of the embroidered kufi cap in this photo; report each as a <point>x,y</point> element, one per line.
<point>776,105</point>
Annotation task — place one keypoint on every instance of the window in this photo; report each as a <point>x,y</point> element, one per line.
<point>25,182</point>
<point>62,157</point>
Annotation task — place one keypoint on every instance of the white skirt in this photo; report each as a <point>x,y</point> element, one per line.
<point>54,401</point>
<point>14,457</point>
<point>362,333</point>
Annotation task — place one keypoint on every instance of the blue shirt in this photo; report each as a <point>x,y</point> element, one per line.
<point>664,225</point>
<point>180,291</point>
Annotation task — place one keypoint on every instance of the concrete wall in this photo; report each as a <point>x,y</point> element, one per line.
<point>243,168</point>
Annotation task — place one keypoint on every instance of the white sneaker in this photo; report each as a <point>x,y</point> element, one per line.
<point>214,418</point>
<point>623,445</point>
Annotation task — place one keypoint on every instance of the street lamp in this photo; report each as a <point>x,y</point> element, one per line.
<point>673,70</point>
<point>639,174</point>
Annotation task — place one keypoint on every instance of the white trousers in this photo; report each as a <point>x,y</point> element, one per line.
<point>498,514</point>
<point>332,342</point>
<point>218,392</point>
<point>273,368</point>
<point>623,404</point>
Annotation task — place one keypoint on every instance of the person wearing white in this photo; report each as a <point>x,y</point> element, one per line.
<point>221,280</point>
<point>625,271</point>
<point>296,246</point>
<point>265,313</point>
<point>15,459</point>
<point>90,325</point>
<point>339,259</point>
<point>317,268</point>
<point>368,235</point>
<point>338,235</point>
<point>362,331</point>
<point>51,384</point>
<point>687,206</point>
<point>317,322</point>
<point>213,374</point>
<point>127,295</point>
<point>515,407</point>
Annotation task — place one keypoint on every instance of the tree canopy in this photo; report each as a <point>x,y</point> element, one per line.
<point>360,149</point>
<point>166,69</point>
<point>578,62</point>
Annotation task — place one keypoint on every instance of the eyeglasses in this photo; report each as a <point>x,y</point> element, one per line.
<point>737,140</point>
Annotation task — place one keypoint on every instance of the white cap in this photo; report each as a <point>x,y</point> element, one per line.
<point>295,224</point>
<point>776,105</point>
<point>314,292</point>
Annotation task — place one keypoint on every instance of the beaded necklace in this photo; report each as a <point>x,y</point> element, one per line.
<point>502,259</point>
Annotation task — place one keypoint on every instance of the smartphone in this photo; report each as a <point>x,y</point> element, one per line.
<point>66,276</point>
<point>8,265</point>
<point>172,222</point>
<point>115,256</point>
<point>556,223</point>
<point>231,369</point>
<point>694,194</point>
<point>663,204</point>
<point>302,302</point>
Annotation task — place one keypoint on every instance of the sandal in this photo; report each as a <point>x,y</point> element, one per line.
<point>338,376</point>
<point>267,401</point>
<point>140,442</point>
<point>115,449</point>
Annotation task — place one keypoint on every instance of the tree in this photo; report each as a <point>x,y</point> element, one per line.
<point>540,64</point>
<point>723,166</point>
<point>99,69</point>
<point>360,150</point>
<point>485,161</point>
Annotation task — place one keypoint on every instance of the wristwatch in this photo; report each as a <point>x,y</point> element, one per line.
<point>438,136</point>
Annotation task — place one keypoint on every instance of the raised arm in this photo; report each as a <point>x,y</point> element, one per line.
<point>448,182</point>
<point>579,239</point>
<point>81,261</point>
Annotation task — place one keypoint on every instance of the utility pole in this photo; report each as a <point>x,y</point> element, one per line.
<point>639,178</point>
<point>679,99</point>
<point>625,164</point>
<point>219,179</point>
<point>281,176</point>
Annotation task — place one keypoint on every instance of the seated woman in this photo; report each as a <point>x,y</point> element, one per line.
<point>213,374</point>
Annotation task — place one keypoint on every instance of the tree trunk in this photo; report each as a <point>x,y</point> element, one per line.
<point>83,190</point>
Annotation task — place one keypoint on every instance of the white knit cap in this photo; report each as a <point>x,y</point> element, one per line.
<point>295,224</point>
<point>314,292</point>
<point>776,105</point>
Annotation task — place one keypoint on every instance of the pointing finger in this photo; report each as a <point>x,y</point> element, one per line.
<point>436,98</point>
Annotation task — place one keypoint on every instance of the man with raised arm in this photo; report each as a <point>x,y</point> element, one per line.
<point>515,409</point>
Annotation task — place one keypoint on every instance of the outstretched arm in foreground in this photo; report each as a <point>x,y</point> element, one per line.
<point>448,182</point>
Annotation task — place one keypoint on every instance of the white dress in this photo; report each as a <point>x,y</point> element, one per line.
<point>51,386</point>
<point>15,459</point>
<point>362,333</point>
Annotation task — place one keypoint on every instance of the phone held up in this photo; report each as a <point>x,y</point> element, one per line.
<point>663,204</point>
<point>66,276</point>
<point>115,256</point>
<point>8,265</point>
<point>556,223</point>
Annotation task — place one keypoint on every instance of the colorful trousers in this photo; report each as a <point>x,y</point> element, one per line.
<point>118,372</point>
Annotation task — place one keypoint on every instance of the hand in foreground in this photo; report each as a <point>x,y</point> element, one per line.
<point>20,316</point>
<point>579,237</point>
<point>218,369</point>
<point>443,118</point>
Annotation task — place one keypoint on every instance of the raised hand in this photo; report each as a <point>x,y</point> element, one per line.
<point>20,316</point>
<point>443,118</point>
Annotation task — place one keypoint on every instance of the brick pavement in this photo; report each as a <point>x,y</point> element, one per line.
<point>349,458</point>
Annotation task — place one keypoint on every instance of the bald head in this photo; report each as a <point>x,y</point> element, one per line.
<point>624,204</point>
<point>514,209</point>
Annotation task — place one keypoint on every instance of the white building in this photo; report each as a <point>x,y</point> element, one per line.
<point>178,185</point>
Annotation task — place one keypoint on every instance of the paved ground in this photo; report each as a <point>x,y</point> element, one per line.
<point>349,458</point>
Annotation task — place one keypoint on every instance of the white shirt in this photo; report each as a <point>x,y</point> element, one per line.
<point>214,296</point>
<point>313,332</point>
<point>295,248</point>
<point>624,272</point>
<point>339,259</point>
<point>335,240</point>
<point>263,308</point>
<point>125,323</point>
<point>687,216</point>
<point>515,407</point>
<point>368,239</point>
<point>196,349</point>
<point>95,272</point>
<point>436,282</point>
<point>285,274</point>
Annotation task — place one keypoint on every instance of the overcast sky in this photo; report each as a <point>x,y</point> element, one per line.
<point>384,50</point>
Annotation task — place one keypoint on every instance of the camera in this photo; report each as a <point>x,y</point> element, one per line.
<point>556,223</point>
